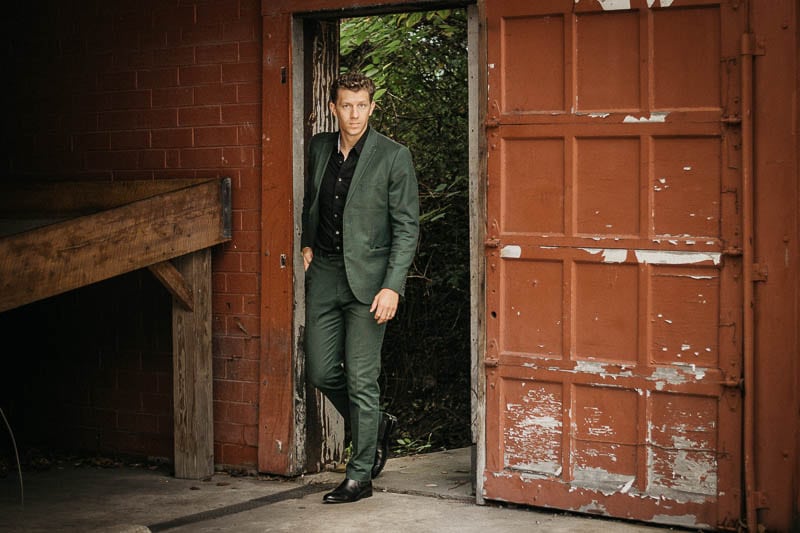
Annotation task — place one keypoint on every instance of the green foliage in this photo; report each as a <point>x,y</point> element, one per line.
<point>419,64</point>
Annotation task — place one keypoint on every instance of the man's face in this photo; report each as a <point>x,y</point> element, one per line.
<point>352,109</point>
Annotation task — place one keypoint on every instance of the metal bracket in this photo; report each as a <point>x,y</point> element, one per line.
<point>753,45</point>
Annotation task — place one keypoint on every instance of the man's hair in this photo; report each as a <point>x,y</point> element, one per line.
<point>354,81</point>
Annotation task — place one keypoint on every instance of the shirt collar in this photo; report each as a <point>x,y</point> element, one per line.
<point>358,146</point>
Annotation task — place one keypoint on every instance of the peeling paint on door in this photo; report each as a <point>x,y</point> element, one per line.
<point>613,302</point>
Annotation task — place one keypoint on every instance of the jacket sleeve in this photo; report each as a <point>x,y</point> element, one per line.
<point>404,220</point>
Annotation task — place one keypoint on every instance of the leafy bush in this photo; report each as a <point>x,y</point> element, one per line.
<point>419,63</point>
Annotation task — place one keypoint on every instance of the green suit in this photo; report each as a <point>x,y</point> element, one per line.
<point>380,231</point>
<point>381,216</point>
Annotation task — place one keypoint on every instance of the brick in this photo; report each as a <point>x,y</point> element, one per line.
<point>249,52</point>
<point>215,94</point>
<point>250,391</point>
<point>244,414</point>
<point>201,157</point>
<point>117,81</point>
<point>238,455</point>
<point>250,219</point>
<point>225,390</point>
<point>176,174</point>
<point>201,33</point>
<point>251,306</point>
<point>250,261</point>
<point>219,327</point>
<point>173,17</point>
<point>242,114</point>
<point>243,325</point>
<point>243,369</point>
<point>172,138</point>
<point>237,156</point>
<point>133,59</point>
<point>173,158</point>
<point>219,411</point>
<point>156,403</point>
<point>130,139</point>
<point>157,78</point>
<point>226,262</point>
<point>199,74</point>
<point>230,347</point>
<point>251,436</point>
<point>158,118</point>
<point>132,175</point>
<point>242,283</point>
<point>164,382</point>
<point>138,422</point>
<point>217,53</point>
<point>247,241</point>
<point>228,303</point>
<point>91,141</point>
<point>218,368</point>
<point>152,159</point>
<point>137,381</point>
<point>153,39</point>
<point>219,11</point>
<point>199,116</point>
<point>216,136</point>
<point>117,159</point>
<point>177,56</point>
<point>248,92</point>
<point>241,71</point>
<point>173,97</point>
<point>130,100</point>
<point>119,120</point>
<point>241,31</point>
<point>219,282</point>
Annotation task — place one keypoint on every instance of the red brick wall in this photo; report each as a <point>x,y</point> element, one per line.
<point>153,90</point>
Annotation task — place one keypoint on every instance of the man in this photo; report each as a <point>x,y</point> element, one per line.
<point>359,236</point>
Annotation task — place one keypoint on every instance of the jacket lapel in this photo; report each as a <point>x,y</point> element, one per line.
<point>323,154</point>
<point>370,148</point>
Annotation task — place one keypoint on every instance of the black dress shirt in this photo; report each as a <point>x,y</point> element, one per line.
<point>332,196</point>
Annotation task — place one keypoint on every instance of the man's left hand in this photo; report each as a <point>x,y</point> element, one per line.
<point>384,305</point>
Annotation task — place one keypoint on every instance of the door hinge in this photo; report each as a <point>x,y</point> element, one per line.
<point>492,243</point>
<point>491,362</point>
<point>752,45</point>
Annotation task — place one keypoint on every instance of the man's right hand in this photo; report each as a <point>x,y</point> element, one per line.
<point>308,256</point>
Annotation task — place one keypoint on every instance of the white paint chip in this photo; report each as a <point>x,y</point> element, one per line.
<point>654,117</point>
<point>615,5</point>
<point>658,257</point>
<point>511,251</point>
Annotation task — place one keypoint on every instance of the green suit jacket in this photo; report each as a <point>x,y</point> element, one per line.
<point>381,213</point>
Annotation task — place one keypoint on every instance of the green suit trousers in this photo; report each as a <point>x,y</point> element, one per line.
<point>343,356</point>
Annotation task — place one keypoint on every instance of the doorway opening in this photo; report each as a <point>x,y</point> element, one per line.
<point>423,65</point>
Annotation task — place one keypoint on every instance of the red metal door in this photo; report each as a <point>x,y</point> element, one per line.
<point>613,258</point>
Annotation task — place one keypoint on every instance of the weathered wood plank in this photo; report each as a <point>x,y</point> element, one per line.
<point>61,257</point>
<point>192,371</point>
<point>174,282</point>
<point>68,199</point>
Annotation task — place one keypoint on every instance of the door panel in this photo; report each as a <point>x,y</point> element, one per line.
<point>613,258</point>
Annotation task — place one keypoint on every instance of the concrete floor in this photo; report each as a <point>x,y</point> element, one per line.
<point>427,493</point>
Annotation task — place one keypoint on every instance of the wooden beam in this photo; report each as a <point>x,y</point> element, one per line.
<point>68,199</point>
<point>192,373</point>
<point>174,282</point>
<point>61,257</point>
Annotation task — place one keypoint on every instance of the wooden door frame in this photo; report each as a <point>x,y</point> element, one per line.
<point>282,412</point>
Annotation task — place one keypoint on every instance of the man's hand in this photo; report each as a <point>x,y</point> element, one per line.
<point>308,256</point>
<point>384,305</point>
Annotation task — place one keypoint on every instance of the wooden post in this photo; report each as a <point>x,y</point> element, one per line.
<point>192,375</point>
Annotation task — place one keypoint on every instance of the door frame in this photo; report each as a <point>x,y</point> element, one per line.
<point>282,445</point>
